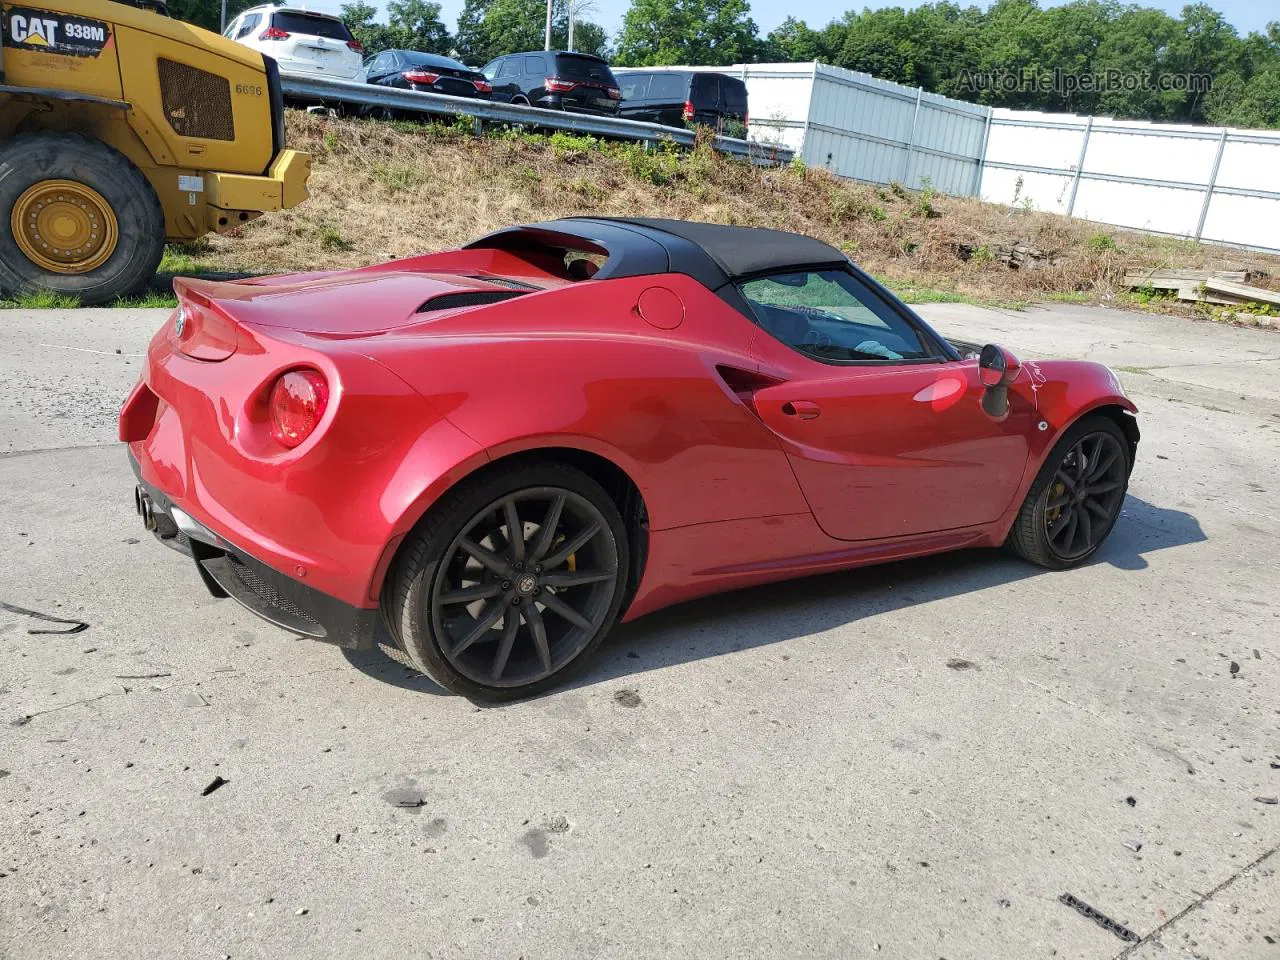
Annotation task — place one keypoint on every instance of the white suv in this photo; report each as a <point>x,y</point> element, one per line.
<point>301,41</point>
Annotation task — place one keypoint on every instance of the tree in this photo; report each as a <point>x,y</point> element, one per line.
<point>416,25</point>
<point>470,44</point>
<point>206,13</point>
<point>1234,102</point>
<point>490,28</point>
<point>699,32</point>
<point>792,41</point>
<point>411,25</point>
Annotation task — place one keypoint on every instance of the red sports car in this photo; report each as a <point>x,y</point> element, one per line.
<point>501,450</point>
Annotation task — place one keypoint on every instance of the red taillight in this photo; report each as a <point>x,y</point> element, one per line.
<point>556,85</point>
<point>420,76</point>
<point>687,112</point>
<point>746,120</point>
<point>483,86</point>
<point>356,45</point>
<point>297,403</point>
<point>273,33</point>
<point>614,93</point>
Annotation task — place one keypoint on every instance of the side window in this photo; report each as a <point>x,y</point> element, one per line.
<point>831,316</point>
<point>510,69</point>
<point>490,69</point>
<point>248,24</point>
<point>634,86</point>
<point>230,32</point>
<point>535,66</point>
<point>669,87</point>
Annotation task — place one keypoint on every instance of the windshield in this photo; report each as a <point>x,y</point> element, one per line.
<point>310,23</point>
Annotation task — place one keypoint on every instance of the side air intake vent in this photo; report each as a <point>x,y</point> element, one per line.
<point>196,103</point>
<point>472,298</point>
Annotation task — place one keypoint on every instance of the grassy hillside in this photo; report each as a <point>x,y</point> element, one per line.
<point>391,190</point>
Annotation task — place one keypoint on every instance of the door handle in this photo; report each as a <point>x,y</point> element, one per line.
<point>803,409</point>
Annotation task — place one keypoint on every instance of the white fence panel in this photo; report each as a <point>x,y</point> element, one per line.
<point>1244,221</point>
<point>1199,182</point>
<point>1159,209</point>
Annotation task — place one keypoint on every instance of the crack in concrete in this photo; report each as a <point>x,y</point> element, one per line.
<point>14,454</point>
<point>1204,898</point>
<point>26,718</point>
<point>1212,363</point>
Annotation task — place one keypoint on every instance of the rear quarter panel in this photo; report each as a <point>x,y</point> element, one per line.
<point>580,368</point>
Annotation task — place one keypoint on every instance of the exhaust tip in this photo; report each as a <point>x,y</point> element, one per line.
<point>146,508</point>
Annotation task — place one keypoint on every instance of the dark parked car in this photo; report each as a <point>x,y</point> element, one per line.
<point>680,97</point>
<point>428,72</point>
<point>577,82</point>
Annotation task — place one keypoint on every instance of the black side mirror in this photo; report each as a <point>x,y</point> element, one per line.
<point>997,368</point>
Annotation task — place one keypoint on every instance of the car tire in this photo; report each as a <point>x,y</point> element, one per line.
<point>104,203</point>
<point>1044,532</point>
<point>512,639</point>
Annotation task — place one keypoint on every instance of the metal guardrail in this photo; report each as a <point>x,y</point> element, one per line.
<point>327,90</point>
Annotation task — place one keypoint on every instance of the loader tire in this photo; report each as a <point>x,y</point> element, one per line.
<point>76,218</point>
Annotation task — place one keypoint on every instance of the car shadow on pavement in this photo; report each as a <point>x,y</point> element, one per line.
<point>730,622</point>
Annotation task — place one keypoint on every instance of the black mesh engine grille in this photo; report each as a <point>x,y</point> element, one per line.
<point>196,103</point>
<point>251,579</point>
<point>506,282</point>
<point>472,298</point>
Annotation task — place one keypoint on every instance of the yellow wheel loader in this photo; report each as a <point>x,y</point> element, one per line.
<point>121,128</point>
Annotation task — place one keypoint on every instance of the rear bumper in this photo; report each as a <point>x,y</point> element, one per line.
<point>555,101</point>
<point>228,571</point>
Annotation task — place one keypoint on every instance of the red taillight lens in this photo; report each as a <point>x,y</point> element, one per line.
<point>298,400</point>
<point>687,113</point>
<point>483,86</point>
<point>273,33</point>
<point>746,119</point>
<point>556,85</point>
<point>356,45</point>
<point>614,93</point>
<point>420,76</point>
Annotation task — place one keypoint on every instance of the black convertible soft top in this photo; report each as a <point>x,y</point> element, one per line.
<point>712,253</point>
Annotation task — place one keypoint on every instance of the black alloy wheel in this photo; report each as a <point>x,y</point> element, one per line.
<point>1085,495</point>
<point>524,587</point>
<point>1077,496</point>
<point>510,581</point>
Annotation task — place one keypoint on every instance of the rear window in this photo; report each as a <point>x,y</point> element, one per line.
<point>311,24</point>
<point>569,67</point>
<point>735,94</point>
<point>669,86</point>
<point>706,89</point>
<point>430,60</point>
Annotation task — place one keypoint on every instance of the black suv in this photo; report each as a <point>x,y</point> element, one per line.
<point>577,82</point>
<point>680,97</point>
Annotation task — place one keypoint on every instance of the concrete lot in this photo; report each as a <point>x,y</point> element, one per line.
<point>913,761</point>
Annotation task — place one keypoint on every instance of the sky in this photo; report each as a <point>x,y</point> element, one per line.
<point>1246,15</point>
